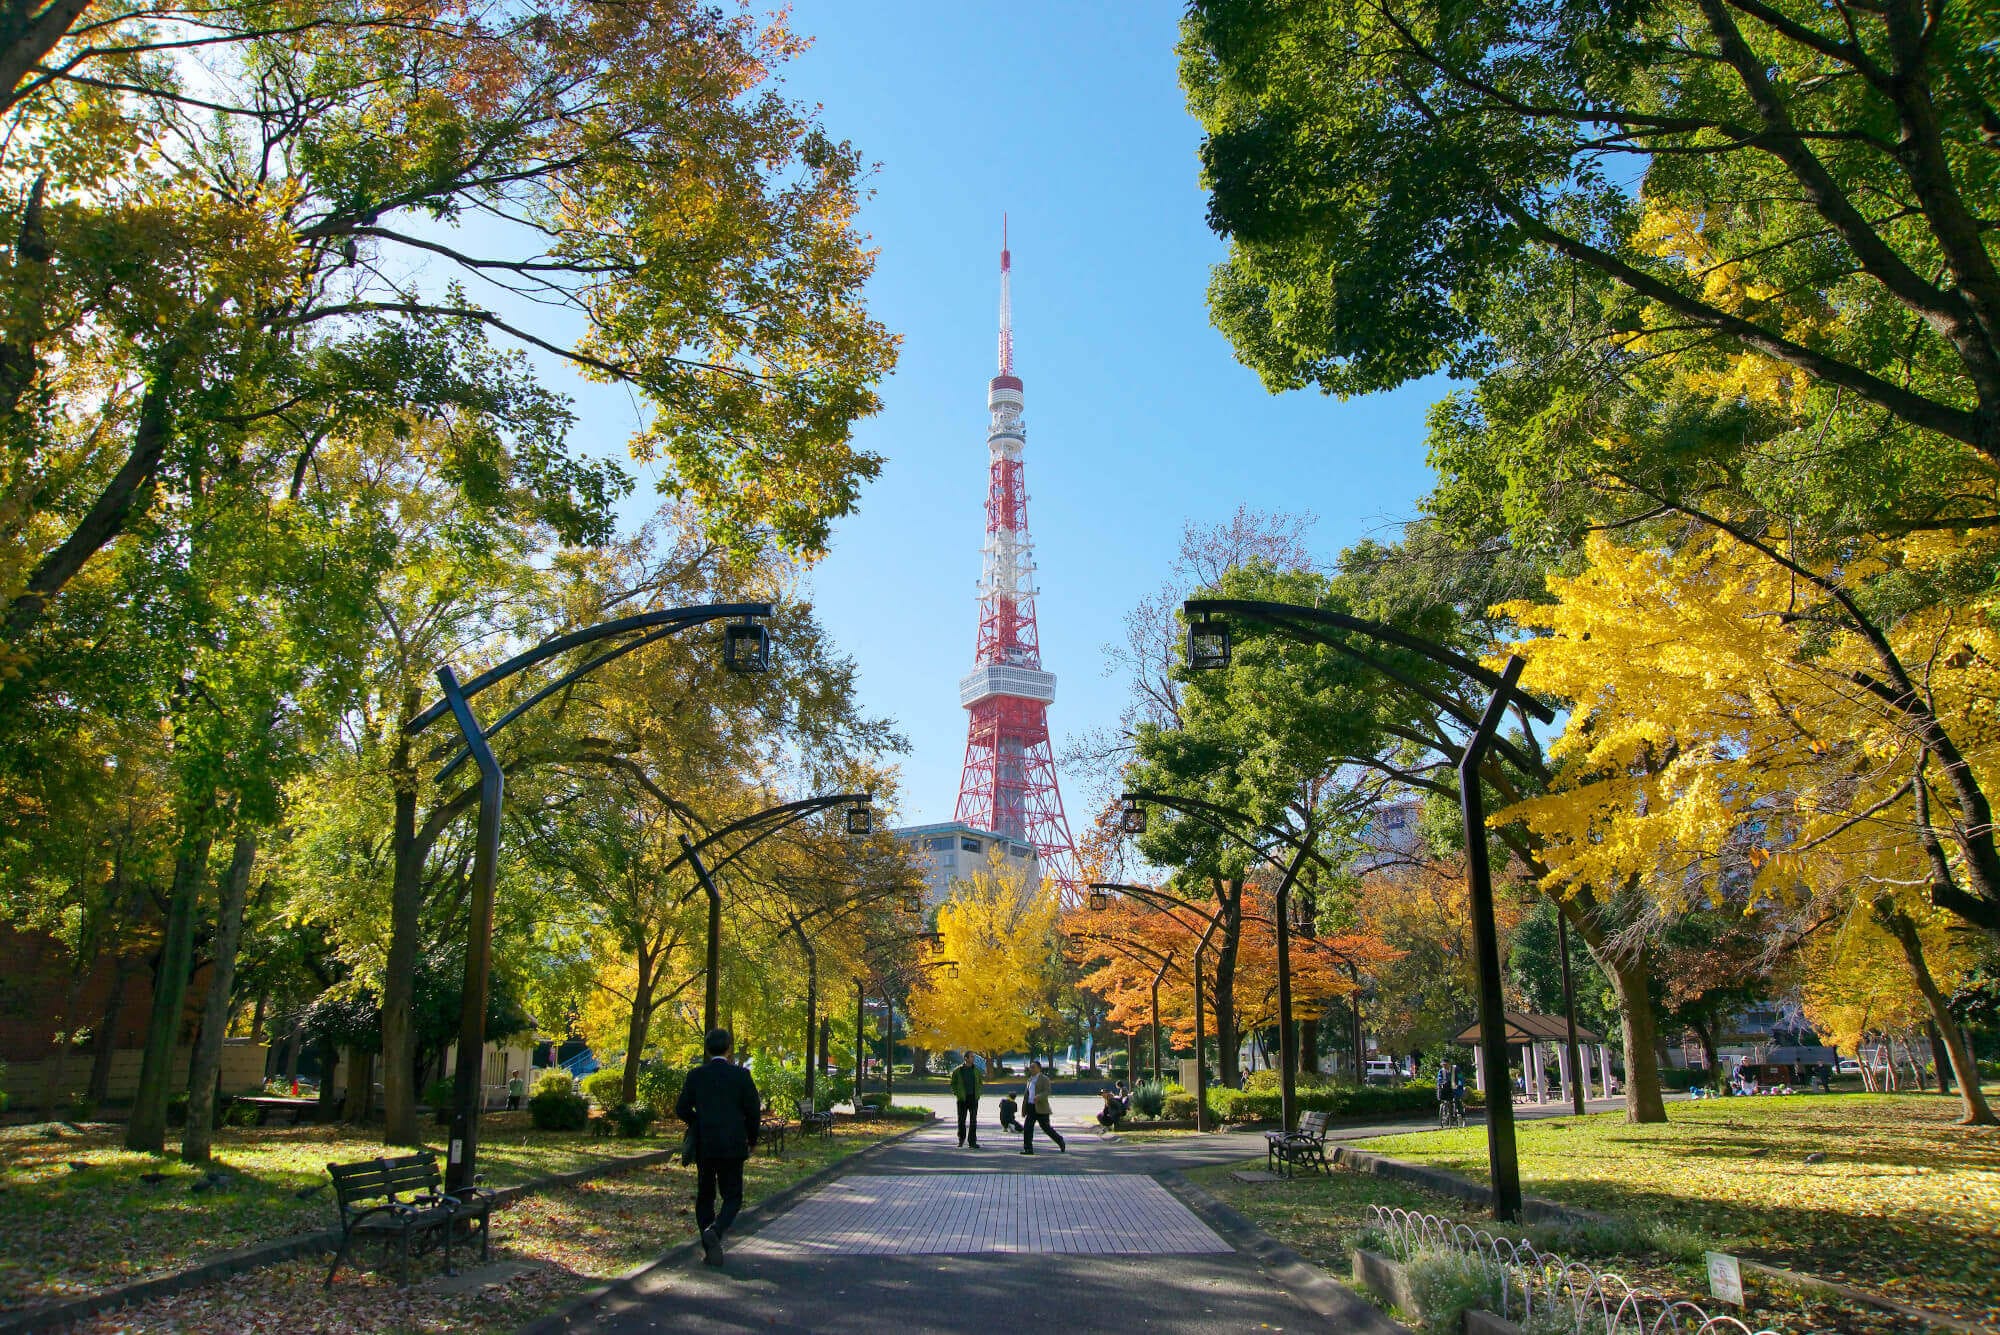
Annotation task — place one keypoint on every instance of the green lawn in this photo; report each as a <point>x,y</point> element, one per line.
<point>548,1247</point>
<point>1905,1203</point>
<point>77,1229</point>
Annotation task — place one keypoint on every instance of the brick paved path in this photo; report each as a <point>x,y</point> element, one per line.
<point>974,1213</point>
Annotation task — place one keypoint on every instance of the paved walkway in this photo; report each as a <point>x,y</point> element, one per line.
<point>972,1214</point>
<point>929,1237</point>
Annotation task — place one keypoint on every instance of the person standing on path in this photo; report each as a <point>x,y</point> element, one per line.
<point>965,1088</point>
<point>720,1104</point>
<point>1035,1108</point>
<point>514,1090</point>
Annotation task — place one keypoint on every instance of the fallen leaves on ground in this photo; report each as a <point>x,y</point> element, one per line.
<point>85,1214</point>
<point>1906,1203</point>
<point>546,1248</point>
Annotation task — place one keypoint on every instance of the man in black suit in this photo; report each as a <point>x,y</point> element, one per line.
<point>720,1105</point>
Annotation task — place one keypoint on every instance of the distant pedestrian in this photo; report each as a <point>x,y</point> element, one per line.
<point>720,1104</point>
<point>514,1090</point>
<point>1008,1121</point>
<point>965,1088</point>
<point>1035,1108</point>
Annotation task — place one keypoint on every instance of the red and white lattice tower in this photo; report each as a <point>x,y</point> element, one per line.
<point>1009,783</point>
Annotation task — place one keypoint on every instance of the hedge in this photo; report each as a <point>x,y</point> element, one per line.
<point>1233,1105</point>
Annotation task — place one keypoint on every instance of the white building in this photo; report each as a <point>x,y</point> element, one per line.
<point>953,851</point>
<point>1392,835</point>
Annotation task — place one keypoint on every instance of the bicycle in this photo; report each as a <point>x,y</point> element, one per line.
<point>1451,1114</point>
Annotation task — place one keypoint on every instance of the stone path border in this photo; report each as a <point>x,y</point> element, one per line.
<point>1322,1295</point>
<point>582,1309</point>
<point>55,1315</point>
<point>1539,1210</point>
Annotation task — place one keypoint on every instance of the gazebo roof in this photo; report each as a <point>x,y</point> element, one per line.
<point>1525,1027</point>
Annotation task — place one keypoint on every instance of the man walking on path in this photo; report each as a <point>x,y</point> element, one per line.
<point>720,1105</point>
<point>965,1088</point>
<point>1035,1108</point>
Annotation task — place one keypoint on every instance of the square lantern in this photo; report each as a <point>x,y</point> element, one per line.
<point>951,971</point>
<point>746,647</point>
<point>860,819</point>
<point>1099,901</point>
<point>913,902</point>
<point>937,943</point>
<point>1208,645</point>
<point>1132,817</point>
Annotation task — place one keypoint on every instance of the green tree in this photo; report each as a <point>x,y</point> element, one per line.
<point>1771,189</point>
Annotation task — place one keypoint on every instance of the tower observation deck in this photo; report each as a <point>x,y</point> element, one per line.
<point>1009,782</point>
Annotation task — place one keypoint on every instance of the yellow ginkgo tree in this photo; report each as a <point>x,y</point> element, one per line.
<point>999,930</point>
<point>1748,730</point>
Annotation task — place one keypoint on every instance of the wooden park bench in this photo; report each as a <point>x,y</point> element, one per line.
<point>1306,1146</point>
<point>402,1202</point>
<point>771,1130</point>
<point>813,1123</point>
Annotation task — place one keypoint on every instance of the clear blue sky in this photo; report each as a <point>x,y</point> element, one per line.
<point>1139,418</point>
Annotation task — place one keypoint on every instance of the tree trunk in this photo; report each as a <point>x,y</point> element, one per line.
<point>1630,979</point>
<point>329,1065</point>
<point>1940,1059</point>
<point>1977,1111</point>
<point>1227,1045</point>
<point>635,1032</point>
<point>147,1131</point>
<point>107,1031</point>
<point>399,972</point>
<point>1309,1047</point>
<point>205,1066</point>
<point>360,1087</point>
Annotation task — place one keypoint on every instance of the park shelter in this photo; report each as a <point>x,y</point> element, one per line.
<point>1537,1035</point>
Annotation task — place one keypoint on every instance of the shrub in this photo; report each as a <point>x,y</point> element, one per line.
<point>1368,1238</point>
<point>631,1119</point>
<point>1262,1082</point>
<point>605,1087</point>
<point>1179,1106</point>
<point>177,1108</point>
<point>556,1106</point>
<point>1447,1284</point>
<point>1680,1078</point>
<point>82,1107</point>
<point>832,1089</point>
<point>438,1095</point>
<point>781,1086</point>
<point>1240,1106</point>
<point>1149,1099</point>
<point>660,1085</point>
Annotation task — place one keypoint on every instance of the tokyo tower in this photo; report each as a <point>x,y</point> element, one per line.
<point>1009,782</point>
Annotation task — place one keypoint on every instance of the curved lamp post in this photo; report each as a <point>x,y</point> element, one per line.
<point>816,1037</point>
<point>1100,899</point>
<point>1208,648</point>
<point>771,820</point>
<point>746,647</point>
<point>889,1003</point>
<point>861,1002</point>
<point>1132,818</point>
